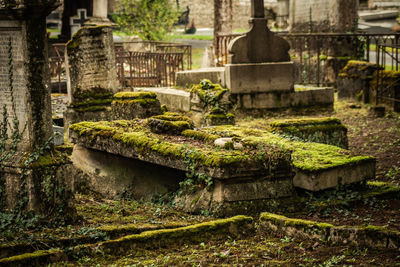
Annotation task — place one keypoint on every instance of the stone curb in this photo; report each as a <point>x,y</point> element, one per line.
<point>111,232</point>
<point>235,226</point>
<point>360,236</point>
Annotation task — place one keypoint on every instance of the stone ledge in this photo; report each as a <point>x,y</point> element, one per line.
<point>361,236</point>
<point>345,174</point>
<point>189,77</point>
<point>260,77</point>
<point>174,99</point>
<point>235,227</point>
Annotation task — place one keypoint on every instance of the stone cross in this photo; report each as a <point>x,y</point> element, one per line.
<point>257,9</point>
<point>80,18</point>
<point>78,21</point>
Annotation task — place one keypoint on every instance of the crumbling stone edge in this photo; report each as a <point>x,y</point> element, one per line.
<point>235,227</point>
<point>360,236</point>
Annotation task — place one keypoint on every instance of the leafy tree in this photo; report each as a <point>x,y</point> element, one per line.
<point>149,19</point>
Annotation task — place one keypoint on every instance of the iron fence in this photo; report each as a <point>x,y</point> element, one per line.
<point>387,81</point>
<point>148,69</point>
<point>57,66</point>
<point>320,56</point>
<point>157,46</point>
<point>155,66</point>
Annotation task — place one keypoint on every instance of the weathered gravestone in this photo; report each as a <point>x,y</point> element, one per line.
<point>259,61</point>
<point>26,149</point>
<point>260,74</point>
<point>91,74</point>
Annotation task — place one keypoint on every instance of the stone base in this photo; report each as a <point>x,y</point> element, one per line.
<point>175,100</point>
<point>188,77</point>
<point>224,195</point>
<point>71,116</point>
<point>320,97</point>
<point>112,175</point>
<point>42,184</point>
<point>331,178</point>
<point>260,77</point>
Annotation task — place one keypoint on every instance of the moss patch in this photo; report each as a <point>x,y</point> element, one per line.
<point>305,156</point>
<point>140,138</point>
<point>135,95</point>
<point>320,130</point>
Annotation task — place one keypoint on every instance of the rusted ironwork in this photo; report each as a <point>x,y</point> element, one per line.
<point>57,66</point>
<point>156,65</point>
<point>318,56</point>
<point>388,59</point>
<point>148,69</point>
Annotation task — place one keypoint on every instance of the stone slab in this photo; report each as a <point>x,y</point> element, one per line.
<point>260,77</point>
<point>253,189</point>
<point>188,77</point>
<point>346,174</point>
<point>360,236</point>
<point>175,100</point>
<point>319,97</point>
<point>112,175</point>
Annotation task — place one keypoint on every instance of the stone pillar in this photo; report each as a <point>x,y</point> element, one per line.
<point>25,96</point>
<point>100,8</point>
<point>100,12</point>
<point>323,15</point>
<point>91,74</point>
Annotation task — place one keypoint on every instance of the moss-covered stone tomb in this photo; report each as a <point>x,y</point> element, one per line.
<point>213,167</point>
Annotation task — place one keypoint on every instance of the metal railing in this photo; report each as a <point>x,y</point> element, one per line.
<point>148,69</point>
<point>57,66</point>
<point>155,66</point>
<point>387,83</point>
<point>318,55</point>
<point>157,46</point>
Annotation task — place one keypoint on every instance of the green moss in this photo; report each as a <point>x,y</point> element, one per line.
<point>65,149</point>
<point>145,102</point>
<point>145,142</point>
<point>209,93</point>
<point>93,93</point>
<point>200,135</point>
<point>220,119</point>
<point>197,232</point>
<point>29,257</point>
<point>53,158</point>
<point>173,117</point>
<point>380,189</point>
<point>91,109</point>
<point>296,223</point>
<point>94,102</point>
<point>305,156</point>
<point>135,95</point>
<point>303,122</point>
<point>357,69</point>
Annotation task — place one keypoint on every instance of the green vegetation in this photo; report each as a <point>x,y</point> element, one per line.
<point>150,20</point>
<point>320,130</point>
<point>143,141</point>
<point>305,156</point>
<point>135,95</point>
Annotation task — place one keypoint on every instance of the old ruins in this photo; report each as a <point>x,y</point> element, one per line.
<point>232,140</point>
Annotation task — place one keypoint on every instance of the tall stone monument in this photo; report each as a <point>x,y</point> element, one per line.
<point>259,63</point>
<point>91,73</point>
<point>25,95</point>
